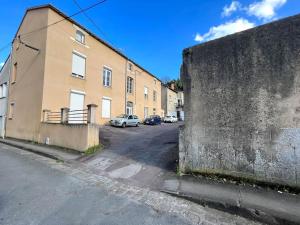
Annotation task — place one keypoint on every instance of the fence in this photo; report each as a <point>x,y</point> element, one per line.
<point>67,116</point>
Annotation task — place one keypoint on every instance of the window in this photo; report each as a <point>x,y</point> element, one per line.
<point>14,73</point>
<point>154,81</point>
<point>11,110</point>
<point>129,85</point>
<point>146,93</point>
<point>154,111</point>
<point>78,65</point>
<point>129,108</point>
<point>154,96</point>
<point>130,66</point>
<point>107,74</point>
<point>80,37</point>
<point>106,108</point>
<point>3,90</point>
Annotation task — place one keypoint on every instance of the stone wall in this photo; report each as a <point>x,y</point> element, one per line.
<point>242,104</point>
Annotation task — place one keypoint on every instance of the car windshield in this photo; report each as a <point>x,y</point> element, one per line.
<point>168,116</point>
<point>122,116</point>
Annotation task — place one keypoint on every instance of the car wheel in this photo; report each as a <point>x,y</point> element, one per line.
<point>124,125</point>
<point>137,124</point>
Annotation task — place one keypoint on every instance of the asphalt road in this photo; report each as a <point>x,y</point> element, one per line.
<point>143,155</point>
<point>32,192</point>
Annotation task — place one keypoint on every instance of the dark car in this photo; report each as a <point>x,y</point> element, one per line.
<point>153,120</point>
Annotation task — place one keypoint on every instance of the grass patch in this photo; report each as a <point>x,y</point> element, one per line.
<point>93,150</point>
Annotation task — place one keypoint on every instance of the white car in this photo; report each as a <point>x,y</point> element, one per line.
<point>170,119</point>
<point>125,120</point>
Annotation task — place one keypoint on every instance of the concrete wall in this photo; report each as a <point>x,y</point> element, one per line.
<point>73,136</point>
<point>242,107</point>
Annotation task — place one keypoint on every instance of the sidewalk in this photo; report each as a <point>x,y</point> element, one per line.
<point>50,152</point>
<point>261,204</point>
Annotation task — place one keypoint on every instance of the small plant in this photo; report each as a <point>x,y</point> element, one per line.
<point>93,150</point>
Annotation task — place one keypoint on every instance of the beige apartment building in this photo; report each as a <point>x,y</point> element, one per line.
<point>62,64</point>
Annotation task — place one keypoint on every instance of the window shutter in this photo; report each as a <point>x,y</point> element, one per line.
<point>78,65</point>
<point>105,108</point>
<point>4,90</point>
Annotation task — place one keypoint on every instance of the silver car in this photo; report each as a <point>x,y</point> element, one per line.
<point>125,120</point>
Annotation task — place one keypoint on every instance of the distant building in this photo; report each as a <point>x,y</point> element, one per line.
<point>4,81</point>
<point>172,101</point>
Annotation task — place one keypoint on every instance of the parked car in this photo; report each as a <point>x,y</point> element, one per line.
<point>125,120</point>
<point>153,120</point>
<point>170,119</point>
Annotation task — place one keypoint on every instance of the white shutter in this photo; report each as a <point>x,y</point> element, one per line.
<point>4,90</point>
<point>78,65</point>
<point>76,103</point>
<point>105,108</point>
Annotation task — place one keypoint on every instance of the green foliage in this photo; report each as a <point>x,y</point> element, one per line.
<point>93,150</point>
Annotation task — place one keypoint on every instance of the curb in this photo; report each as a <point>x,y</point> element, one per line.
<point>23,147</point>
<point>261,205</point>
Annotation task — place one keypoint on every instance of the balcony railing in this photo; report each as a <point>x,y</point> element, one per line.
<point>67,116</point>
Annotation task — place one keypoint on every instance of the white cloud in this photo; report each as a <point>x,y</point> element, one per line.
<point>225,29</point>
<point>265,9</point>
<point>229,9</point>
<point>1,64</point>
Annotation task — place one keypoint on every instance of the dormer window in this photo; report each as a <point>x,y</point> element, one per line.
<point>80,37</point>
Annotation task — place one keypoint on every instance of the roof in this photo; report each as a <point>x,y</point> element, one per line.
<point>87,31</point>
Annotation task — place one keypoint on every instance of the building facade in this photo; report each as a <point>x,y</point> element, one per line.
<point>169,100</point>
<point>68,66</point>
<point>4,83</point>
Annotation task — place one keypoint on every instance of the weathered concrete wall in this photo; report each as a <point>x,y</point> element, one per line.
<point>242,104</point>
<point>79,137</point>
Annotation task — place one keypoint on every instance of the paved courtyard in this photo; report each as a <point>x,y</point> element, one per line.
<point>143,155</point>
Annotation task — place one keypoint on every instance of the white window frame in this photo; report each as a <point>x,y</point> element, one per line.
<point>78,54</point>
<point>130,85</point>
<point>105,81</point>
<point>82,36</point>
<point>146,95</point>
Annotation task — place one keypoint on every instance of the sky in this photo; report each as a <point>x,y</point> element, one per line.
<point>154,33</point>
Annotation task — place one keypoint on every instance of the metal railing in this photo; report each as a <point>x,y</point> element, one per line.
<point>78,116</point>
<point>53,117</point>
<point>67,116</point>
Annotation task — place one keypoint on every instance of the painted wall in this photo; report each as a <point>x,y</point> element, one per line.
<point>26,92</point>
<point>4,79</point>
<point>59,82</point>
<point>242,108</point>
<point>169,101</point>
